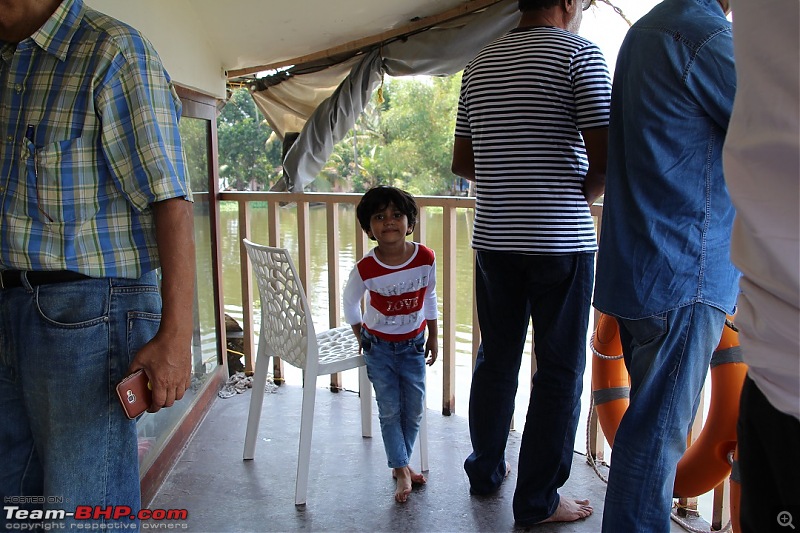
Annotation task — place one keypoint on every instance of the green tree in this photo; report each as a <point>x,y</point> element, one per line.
<point>194,136</point>
<point>248,151</point>
<point>406,140</point>
<point>347,168</point>
<point>418,128</point>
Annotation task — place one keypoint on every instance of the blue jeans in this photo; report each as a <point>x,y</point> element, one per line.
<point>667,357</point>
<point>397,372</point>
<point>63,349</point>
<point>511,289</point>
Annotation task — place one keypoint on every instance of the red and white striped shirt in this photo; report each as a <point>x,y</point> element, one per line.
<point>400,298</point>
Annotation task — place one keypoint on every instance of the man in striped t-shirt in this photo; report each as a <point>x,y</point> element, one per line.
<point>531,132</point>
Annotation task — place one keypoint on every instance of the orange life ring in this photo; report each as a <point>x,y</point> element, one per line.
<point>611,384</point>
<point>705,463</point>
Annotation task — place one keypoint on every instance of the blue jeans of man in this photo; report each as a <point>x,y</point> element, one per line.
<point>397,373</point>
<point>667,357</point>
<point>63,433</point>
<point>511,289</point>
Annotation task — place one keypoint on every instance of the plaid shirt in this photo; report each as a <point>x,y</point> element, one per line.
<point>89,125</point>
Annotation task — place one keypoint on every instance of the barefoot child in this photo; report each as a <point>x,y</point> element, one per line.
<point>399,278</point>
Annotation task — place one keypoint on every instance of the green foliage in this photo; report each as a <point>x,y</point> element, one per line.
<point>249,155</point>
<point>405,141</point>
<point>194,137</point>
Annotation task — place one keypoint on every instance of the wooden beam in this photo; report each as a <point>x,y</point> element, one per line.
<point>353,46</point>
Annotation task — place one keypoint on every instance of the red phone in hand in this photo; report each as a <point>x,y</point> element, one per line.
<point>135,394</point>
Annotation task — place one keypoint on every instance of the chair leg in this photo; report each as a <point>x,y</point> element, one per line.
<point>256,401</point>
<point>365,391</point>
<point>306,429</point>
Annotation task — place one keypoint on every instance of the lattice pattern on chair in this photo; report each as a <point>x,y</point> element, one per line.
<point>283,313</point>
<point>335,344</point>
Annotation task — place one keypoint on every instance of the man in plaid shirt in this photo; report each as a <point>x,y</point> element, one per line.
<point>94,197</point>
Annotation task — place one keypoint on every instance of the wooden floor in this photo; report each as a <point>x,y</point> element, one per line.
<point>350,486</point>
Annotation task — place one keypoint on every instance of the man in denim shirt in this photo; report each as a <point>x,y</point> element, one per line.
<point>663,267</point>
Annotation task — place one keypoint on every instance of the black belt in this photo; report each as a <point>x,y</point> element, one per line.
<point>13,278</point>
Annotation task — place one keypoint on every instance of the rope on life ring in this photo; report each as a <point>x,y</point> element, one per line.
<point>705,463</point>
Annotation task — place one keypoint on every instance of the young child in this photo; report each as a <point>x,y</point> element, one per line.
<point>399,278</point>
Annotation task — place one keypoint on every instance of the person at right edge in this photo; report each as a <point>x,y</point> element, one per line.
<point>663,266</point>
<point>531,131</point>
<point>762,170</point>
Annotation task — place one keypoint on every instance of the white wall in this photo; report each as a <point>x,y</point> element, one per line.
<point>178,36</point>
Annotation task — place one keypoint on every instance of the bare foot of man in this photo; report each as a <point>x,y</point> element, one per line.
<point>569,511</point>
<point>403,477</point>
<point>416,479</point>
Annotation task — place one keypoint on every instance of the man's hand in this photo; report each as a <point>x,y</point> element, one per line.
<point>167,358</point>
<point>168,365</point>
<point>596,142</point>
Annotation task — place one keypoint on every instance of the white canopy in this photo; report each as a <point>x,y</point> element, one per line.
<point>324,104</point>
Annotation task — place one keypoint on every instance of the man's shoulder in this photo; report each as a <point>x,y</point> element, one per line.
<point>116,35</point>
<point>689,21</point>
<point>538,44</point>
<point>542,36</point>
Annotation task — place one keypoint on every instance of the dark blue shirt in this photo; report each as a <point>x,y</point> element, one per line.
<point>667,216</point>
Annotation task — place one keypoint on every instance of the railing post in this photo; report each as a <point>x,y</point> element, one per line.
<point>449,311</point>
<point>334,298</point>
<point>421,228</point>
<point>596,437</point>
<point>304,251</point>
<point>274,233</point>
<point>246,273</point>
<point>303,245</point>
<point>274,224</point>
<point>721,508</point>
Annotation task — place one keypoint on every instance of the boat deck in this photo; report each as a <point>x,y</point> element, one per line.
<point>350,486</point>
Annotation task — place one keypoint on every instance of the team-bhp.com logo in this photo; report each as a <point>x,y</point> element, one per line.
<point>53,519</point>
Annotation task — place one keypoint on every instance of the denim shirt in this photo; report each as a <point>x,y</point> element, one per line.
<point>667,216</point>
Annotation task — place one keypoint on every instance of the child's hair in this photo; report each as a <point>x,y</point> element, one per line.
<point>378,198</point>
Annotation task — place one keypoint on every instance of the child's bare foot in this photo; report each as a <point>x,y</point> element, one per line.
<point>416,479</point>
<point>403,477</point>
<point>569,511</point>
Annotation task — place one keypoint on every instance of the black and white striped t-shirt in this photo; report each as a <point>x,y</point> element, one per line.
<point>524,100</point>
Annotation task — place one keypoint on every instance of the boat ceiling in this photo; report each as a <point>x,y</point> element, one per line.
<point>254,35</point>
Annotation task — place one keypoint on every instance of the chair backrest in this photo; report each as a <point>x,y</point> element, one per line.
<point>286,324</point>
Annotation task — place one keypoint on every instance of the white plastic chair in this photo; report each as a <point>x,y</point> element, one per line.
<point>287,330</point>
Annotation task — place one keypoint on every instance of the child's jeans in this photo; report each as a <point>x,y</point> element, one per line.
<point>397,372</point>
